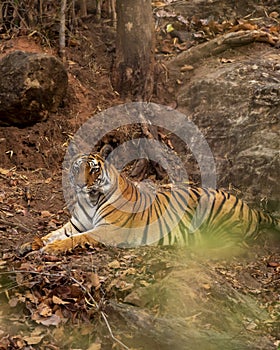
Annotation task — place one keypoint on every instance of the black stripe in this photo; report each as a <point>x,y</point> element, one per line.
<point>204,208</point>
<point>241,211</point>
<point>76,217</point>
<point>194,191</point>
<point>138,200</point>
<point>156,207</point>
<point>145,235</point>
<point>233,208</point>
<point>214,213</point>
<point>145,201</point>
<point>169,203</point>
<point>250,218</point>
<point>181,200</point>
<point>183,231</point>
<point>75,227</point>
<point>82,208</point>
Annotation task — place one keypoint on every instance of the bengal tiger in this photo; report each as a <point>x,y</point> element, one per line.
<point>114,210</point>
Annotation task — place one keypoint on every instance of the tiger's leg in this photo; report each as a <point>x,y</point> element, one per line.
<point>63,232</point>
<point>83,240</point>
<point>107,234</point>
<point>37,243</point>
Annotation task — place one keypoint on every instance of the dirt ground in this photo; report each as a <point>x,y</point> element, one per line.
<point>32,203</point>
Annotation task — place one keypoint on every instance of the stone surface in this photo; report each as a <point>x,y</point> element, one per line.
<point>221,8</point>
<point>237,107</point>
<point>31,86</point>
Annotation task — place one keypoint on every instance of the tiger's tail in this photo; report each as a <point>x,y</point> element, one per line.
<point>268,221</point>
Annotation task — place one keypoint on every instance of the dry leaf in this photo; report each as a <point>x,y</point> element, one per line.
<point>44,310</point>
<point>48,180</point>
<point>94,346</point>
<point>144,283</point>
<point>95,280</point>
<point>115,264</point>
<point>30,296</point>
<point>45,214</point>
<point>226,60</point>
<point>13,302</point>
<point>206,286</point>
<point>158,4</point>
<point>33,340</point>
<point>186,68</point>
<point>123,285</point>
<point>130,271</point>
<point>2,263</point>
<point>58,301</point>
<point>54,320</point>
<point>273,264</point>
<point>4,171</point>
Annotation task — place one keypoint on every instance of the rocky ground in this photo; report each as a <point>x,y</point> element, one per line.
<point>111,298</point>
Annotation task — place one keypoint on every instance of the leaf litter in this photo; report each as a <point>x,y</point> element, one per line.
<point>73,291</point>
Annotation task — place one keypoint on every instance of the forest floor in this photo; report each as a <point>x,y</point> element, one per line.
<point>50,302</point>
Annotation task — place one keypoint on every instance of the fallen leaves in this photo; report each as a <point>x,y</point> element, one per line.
<point>115,264</point>
<point>187,68</point>
<point>45,214</point>
<point>52,320</point>
<point>72,289</point>
<point>4,171</point>
<point>59,301</point>
<point>33,340</point>
<point>193,30</point>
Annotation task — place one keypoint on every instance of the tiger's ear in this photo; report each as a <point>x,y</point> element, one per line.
<point>73,150</point>
<point>106,150</point>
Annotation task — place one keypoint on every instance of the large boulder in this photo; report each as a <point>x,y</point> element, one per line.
<point>31,86</point>
<point>236,104</point>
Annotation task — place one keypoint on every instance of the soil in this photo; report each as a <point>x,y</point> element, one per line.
<point>32,203</point>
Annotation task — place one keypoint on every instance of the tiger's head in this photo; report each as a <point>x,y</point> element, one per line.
<point>89,173</point>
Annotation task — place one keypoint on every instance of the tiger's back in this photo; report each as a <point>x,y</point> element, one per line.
<point>185,215</point>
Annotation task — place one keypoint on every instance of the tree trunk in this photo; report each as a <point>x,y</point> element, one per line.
<point>83,7</point>
<point>62,30</point>
<point>133,72</point>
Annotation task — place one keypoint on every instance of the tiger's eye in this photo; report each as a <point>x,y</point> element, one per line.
<point>91,171</point>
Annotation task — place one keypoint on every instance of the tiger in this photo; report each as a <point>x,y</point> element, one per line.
<point>112,209</point>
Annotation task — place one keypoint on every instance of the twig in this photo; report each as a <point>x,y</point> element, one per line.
<point>15,224</point>
<point>111,333</point>
<point>102,314</point>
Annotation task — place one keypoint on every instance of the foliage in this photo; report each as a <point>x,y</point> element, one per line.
<point>36,18</point>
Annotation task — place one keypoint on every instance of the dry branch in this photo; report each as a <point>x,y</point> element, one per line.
<point>15,224</point>
<point>218,45</point>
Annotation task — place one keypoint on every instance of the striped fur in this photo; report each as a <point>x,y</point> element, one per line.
<point>113,210</point>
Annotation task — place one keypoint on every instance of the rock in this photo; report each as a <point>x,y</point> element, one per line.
<point>192,307</point>
<point>31,86</point>
<point>237,107</point>
<point>219,8</point>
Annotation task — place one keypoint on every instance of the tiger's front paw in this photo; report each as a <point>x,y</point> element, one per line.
<point>58,247</point>
<point>28,247</point>
<point>25,248</point>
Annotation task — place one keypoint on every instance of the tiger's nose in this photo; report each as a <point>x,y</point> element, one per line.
<point>80,188</point>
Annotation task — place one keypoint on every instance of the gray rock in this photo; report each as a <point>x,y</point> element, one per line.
<point>31,86</point>
<point>237,107</point>
<point>220,8</point>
